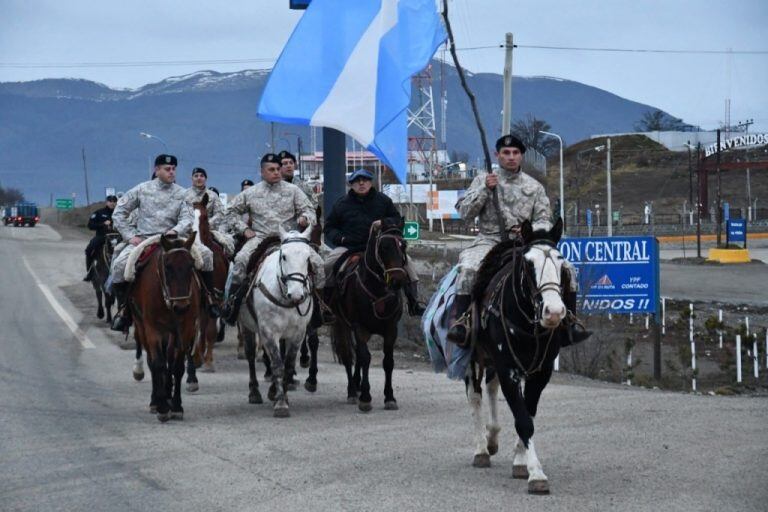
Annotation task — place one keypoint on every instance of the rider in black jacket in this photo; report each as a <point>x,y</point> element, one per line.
<point>100,221</point>
<point>349,223</point>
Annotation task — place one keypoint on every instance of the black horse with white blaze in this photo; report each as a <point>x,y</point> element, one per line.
<point>517,334</point>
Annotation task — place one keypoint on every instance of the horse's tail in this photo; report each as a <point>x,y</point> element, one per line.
<point>342,343</point>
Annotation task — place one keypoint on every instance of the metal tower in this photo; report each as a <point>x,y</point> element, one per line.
<point>422,117</point>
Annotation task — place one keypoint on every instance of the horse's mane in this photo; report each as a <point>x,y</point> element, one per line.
<point>260,251</point>
<point>492,263</point>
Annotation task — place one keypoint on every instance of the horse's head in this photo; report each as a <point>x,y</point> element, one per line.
<point>294,264</point>
<point>545,272</point>
<point>177,268</point>
<point>386,245</point>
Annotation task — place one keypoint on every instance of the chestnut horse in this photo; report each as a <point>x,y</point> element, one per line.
<point>167,310</point>
<point>368,302</point>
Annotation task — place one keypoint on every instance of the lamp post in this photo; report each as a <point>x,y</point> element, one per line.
<point>298,149</point>
<point>578,156</point>
<point>161,141</point>
<point>562,196</point>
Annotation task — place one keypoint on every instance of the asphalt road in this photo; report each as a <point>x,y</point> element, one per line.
<point>75,433</point>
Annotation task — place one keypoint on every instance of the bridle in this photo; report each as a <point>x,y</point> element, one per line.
<point>169,299</point>
<point>284,278</point>
<point>389,233</point>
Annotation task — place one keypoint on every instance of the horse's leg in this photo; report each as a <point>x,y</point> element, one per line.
<point>249,342</point>
<point>277,389</point>
<point>158,367</point>
<point>241,341</point>
<point>363,364</point>
<point>222,330</point>
<point>493,428</point>
<point>313,342</point>
<point>209,338</point>
<point>305,358</point>
<point>390,403</point>
<point>473,383</point>
<point>267,364</point>
<point>177,369</point>
<point>342,342</point>
<point>526,464</point>
<point>138,365</point>
<point>192,382</point>
<point>290,365</point>
<point>109,300</point>
<point>100,310</point>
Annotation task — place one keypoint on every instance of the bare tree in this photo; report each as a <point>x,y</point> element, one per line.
<point>10,195</point>
<point>528,130</point>
<point>656,120</point>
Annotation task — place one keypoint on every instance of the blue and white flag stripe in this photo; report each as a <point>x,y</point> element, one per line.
<point>348,65</point>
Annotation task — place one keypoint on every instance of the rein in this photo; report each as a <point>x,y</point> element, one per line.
<point>366,266</point>
<point>283,280</point>
<point>167,298</point>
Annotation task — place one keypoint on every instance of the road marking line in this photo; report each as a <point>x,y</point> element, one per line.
<point>83,338</point>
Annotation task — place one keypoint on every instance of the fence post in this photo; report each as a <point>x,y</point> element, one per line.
<point>693,349</point>
<point>738,358</point>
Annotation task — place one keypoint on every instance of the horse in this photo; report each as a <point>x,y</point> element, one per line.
<point>515,337</point>
<point>368,302</point>
<point>220,270</point>
<point>100,274</point>
<point>279,306</point>
<point>167,308</point>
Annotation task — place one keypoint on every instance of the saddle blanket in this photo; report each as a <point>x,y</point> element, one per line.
<point>445,356</point>
<point>149,245</point>
<point>227,242</point>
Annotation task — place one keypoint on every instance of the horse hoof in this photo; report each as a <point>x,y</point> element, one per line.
<point>163,416</point>
<point>152,409</point>
<point>520,472</point>
<point>538,487</point>
<point>255,398</point>
<point>138,376</point>
<point>208,368</point>
<point>493,449</point>
<point>100,315</point>
<point>390,405</point>
<point>304,362</point>
<point>310,386</point>
<point>352,400</point>
<point>364,406</point>
<point>177,415</point>
<point>481,460</point>
<point>281,412</point>
<point>193,387</point>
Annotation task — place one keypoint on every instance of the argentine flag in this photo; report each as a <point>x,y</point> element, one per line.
<point>348,66</point>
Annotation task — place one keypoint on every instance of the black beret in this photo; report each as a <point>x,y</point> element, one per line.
<point>286,154</point>
<point>112,198</point>
<point>510,141</point>
<point>214,189</point>
<point>270,158</point>
<point>246,183</point>
<point>166,160</point>
<point>199,170</point>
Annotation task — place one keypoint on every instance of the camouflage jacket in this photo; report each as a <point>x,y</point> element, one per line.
<point>270,206</point>
<point>306,188</point>
<point>520,197</point>
<point>215,209</point>
<point>160,207</point>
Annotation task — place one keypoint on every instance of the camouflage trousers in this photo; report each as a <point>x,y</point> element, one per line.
<point>471,258</point>
<point>336,253</point>
<point>123,251</point>
<point>240,265</point>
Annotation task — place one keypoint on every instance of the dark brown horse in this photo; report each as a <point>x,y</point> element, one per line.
<point>368,302</point>
<point>167,311</point>
<point>100,274</point>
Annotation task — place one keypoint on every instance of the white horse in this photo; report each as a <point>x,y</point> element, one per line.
<point>279,308</point>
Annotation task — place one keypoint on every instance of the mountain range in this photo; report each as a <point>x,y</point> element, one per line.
<point>208,119</point>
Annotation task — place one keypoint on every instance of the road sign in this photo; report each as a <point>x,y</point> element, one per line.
<point>617,274</point>
<point>65,204</point>
<point>109,191</point>
<point>411,231</point>
<point>736,231</point>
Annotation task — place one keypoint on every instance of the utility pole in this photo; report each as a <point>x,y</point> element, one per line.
<point>506,119</point>
<point>698,201</point>
<point>608,186</point>
<point>718,211</point>
<point>750,214</point>
<point>85,173</point>
<point>690,175</point>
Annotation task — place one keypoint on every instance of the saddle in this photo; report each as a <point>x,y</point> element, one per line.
<point>265,248</point>
<point>345,266</point>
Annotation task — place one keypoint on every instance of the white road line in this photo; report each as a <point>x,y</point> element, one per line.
<point>84,340</point>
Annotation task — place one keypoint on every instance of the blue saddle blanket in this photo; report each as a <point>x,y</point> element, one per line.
<point>435,323</point>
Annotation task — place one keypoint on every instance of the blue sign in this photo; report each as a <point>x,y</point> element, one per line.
<point>617,274</point>
<point>736,231</point>
<point>589,217</point>
<point>726,210</point>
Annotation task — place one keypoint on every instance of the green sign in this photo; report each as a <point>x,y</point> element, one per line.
<point>411,231</point>
<point>616,216</point>
<point>65,204</point>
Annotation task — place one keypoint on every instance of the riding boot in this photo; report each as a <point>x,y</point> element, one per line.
<point>213,308</point>
<point>236,295</point>
<point>415,307</point>
<point>459,331</point>
<point>122,319</point>
<point>575,332</point>
<point>88,269</point>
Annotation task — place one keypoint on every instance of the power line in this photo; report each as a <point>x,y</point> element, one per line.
<point>641,50</point>
<point>41,65</point>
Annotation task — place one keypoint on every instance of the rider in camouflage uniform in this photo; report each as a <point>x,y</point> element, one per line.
<point>520,197</point>
<point>162,208</point>
<point>271,203</point>
<point>287,170</point>
<point>195,194</point>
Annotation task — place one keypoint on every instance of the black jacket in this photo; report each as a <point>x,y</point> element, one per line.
<point>350,219</point>
<point>96,221</point>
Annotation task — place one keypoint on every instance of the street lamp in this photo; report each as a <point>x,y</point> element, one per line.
<point>562,197</point>
<point>150,136</point>
<point>298,149</point>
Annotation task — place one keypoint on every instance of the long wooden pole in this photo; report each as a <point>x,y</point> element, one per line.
<point>473,102</point>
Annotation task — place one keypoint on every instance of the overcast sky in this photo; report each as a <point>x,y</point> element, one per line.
<point>688,85</point>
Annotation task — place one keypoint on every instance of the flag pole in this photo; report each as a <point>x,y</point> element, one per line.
<point>473,102</point>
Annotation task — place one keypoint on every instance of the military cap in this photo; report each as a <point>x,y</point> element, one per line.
<point>199,170</point>
<point>214,189</point>
<point>510,141</point>
<point>112,198</point>
<point>166,160</point>
<point>246,183</point>
<point>286,154</point>
<point>270,158</point>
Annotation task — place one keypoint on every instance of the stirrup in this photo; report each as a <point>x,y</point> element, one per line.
<point>465,321</point>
